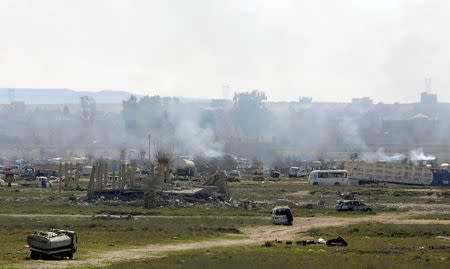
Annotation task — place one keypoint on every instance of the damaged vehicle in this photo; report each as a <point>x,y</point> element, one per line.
<point>296,172</point>
<point>234,176</point>
<point>352,205</point>
<point>54,243</point>
<point>282,215</point>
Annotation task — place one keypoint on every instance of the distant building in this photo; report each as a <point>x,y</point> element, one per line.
<point>419,128</point>
<point>305,100</point>
<point>363,101</point>
<point>220,102</point>
<point>428,98</point>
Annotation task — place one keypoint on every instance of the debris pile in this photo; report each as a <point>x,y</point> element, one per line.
<point>115,217</point>
<point>339,241</point>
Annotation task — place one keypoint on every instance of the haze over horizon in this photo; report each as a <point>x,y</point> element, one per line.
<point>328,50</point>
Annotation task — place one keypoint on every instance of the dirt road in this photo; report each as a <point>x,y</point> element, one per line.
<point>251,236</point>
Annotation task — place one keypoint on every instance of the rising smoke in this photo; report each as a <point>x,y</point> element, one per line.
<point>249,127</point>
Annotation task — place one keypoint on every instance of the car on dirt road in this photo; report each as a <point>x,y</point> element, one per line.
<point>352,205</point>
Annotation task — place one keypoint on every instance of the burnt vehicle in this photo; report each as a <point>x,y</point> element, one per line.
<point>352,205</point>
<point>275,173</point>
<point>258,175</point>
<point>234,176</point>
<point>282,215</point>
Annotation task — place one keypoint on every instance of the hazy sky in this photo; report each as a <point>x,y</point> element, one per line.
<point>330,50</point>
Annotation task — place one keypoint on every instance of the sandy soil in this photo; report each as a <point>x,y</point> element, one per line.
<point>251,236</point>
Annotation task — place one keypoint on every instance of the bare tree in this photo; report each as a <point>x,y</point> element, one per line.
<point>88,109</point>
<point>164,159</point>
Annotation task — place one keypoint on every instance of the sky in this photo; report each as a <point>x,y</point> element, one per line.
<point>328,50</point>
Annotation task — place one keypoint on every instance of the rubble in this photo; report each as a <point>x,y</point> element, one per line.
<point>115,217</point>
<point>339,241</point>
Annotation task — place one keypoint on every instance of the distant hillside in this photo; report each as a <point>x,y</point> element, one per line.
<point>60,96</point>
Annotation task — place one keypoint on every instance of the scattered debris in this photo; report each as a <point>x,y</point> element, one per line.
<point>347,195</point>
<point>321,241</point>
<point>258,178</point>
<point>306,242</point>
<point>219,181</point>
<point>339,241</point>
<point>127,217</point>
<point>352,205</point>
<point>443,237</point>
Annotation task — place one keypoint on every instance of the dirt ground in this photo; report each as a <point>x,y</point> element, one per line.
<point>251,236</point>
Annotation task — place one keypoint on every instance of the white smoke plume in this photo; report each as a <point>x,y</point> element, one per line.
<point>380,155</point>
<point>419,155</point>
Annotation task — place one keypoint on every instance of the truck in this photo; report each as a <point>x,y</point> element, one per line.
<point>407,174</point>
<point>328,177</point>
<point>53,243</point>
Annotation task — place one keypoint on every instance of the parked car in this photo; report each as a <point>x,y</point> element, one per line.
<point>352,205</point>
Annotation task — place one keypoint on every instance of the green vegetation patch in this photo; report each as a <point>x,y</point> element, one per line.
<point>386,230</point>
<point>370,246</point>
<point>98,234</point>
<point>434,216</point>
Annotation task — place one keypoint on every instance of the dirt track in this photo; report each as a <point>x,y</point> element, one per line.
<point>251,236</point>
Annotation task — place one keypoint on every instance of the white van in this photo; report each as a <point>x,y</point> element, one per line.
<point>293,171</point>
<point>328,177</point>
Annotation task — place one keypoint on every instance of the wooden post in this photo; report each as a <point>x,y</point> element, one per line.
<point>133,175</point>
<point>150,177</point>
<point>99,176</point>
<point>91,185</point>
<point>161,174</point>
<point>119,175</point>
<point>95,175</point>
<point>60,175</point>
<point>77,173</point>
<point>122,183</point>
<point>127,176</point>
<point>70,175</point>
<point>113,182</point>
<point>66,176</point>
<point>105,177</point>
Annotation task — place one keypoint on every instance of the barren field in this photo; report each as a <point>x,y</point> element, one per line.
<point>164,236</point>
